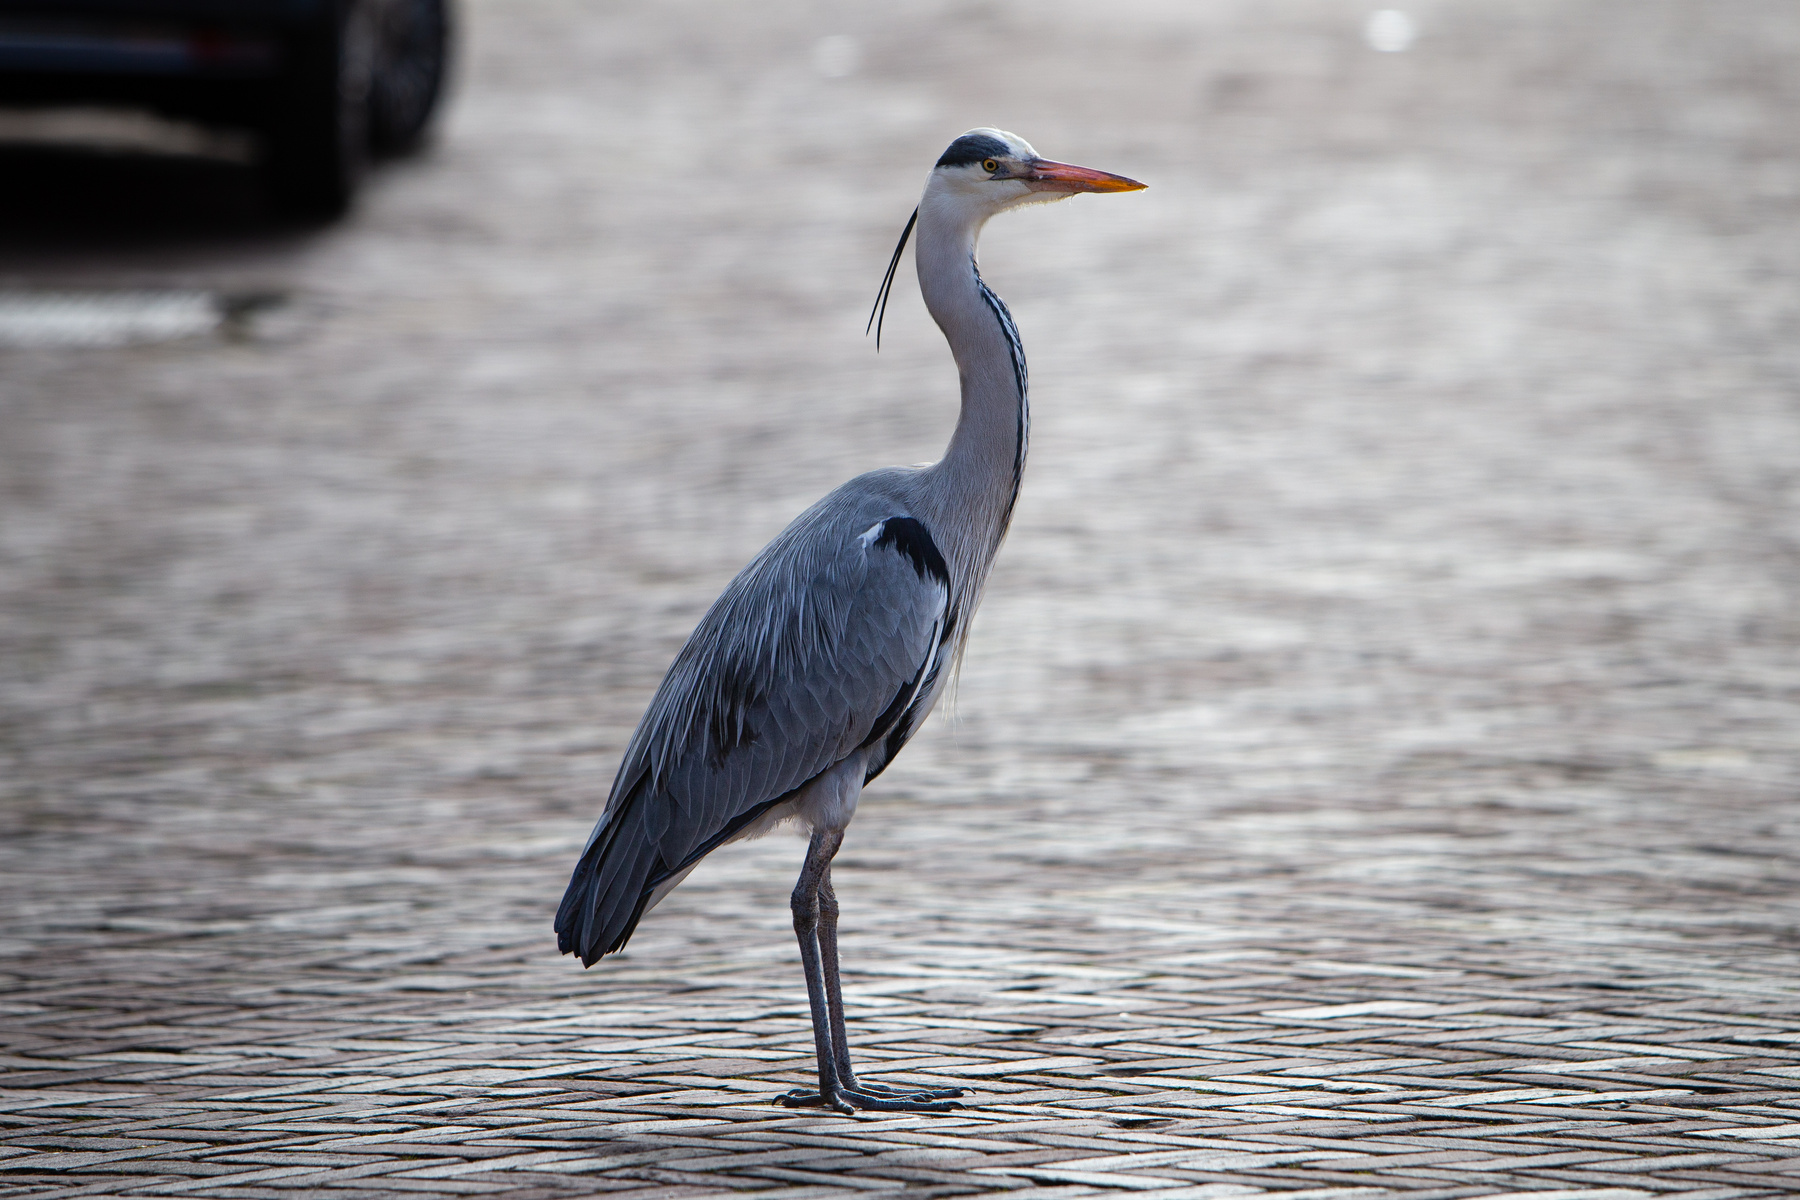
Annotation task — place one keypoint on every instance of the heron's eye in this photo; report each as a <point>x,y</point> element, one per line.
<point>990,166</point>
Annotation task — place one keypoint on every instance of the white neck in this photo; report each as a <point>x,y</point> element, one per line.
<point>974,485</point>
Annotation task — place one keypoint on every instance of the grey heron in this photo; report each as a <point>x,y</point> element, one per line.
<point>823,656</point>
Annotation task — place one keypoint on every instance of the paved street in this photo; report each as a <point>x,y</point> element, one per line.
<point>1375,769</point>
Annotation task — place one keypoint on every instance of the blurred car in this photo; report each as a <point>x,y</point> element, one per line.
<point>323,82</point>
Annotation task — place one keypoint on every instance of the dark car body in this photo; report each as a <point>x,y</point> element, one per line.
<point>322,81</point>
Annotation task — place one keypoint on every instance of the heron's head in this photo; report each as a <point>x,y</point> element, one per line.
<point>987,171</point>
<point>984,172</point>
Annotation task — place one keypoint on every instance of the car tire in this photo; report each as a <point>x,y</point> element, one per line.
<point>318,134</point>
<point>412,49</point>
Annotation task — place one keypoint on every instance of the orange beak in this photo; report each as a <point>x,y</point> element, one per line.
<point>1047,176</point>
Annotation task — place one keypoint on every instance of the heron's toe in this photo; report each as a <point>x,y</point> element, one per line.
<point>910,1102</point>
<point>801,1098</point>
<point>872,1098</point>
<point>910,1093</point>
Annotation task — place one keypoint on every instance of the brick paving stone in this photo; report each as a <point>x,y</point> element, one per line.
<point>1373,774</point>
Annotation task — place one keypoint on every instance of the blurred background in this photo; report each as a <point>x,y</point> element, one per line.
<point>1408,555</point>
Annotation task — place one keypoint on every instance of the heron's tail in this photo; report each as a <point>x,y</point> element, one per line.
<point>622,873</point>
<point>611,887</point>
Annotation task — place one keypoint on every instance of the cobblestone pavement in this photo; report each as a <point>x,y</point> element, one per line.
<point>1375,769</point>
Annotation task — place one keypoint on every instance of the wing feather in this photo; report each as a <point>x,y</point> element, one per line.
<point>818,649</point>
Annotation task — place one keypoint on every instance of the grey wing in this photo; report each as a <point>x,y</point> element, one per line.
<point>826,645</point>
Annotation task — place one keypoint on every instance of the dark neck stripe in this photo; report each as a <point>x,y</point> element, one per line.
<point>1016,348</point>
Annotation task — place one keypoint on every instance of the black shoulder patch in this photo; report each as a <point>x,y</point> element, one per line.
<point>910,537</point>
<point>972,148</point>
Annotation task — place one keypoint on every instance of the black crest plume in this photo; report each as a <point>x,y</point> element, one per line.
<point>887,283</point>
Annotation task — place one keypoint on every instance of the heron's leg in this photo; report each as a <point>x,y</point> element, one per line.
<point>805,904</point>
<point>834,1007</point>
<point>836,1091</point>
<point>834,995</point>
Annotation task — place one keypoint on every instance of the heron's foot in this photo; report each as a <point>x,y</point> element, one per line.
<point>801,1098</point>
<point>910,1093</point>
<point>848,1100</point>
